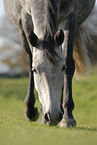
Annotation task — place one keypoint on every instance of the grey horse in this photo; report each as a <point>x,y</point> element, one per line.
<point>53,36</point>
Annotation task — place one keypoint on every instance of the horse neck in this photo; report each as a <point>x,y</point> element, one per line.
<point>45,17</point>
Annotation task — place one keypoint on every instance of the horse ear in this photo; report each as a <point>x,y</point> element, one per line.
<point>59,37</point>
<point>33,38</point>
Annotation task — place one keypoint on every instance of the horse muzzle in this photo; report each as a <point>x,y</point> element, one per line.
<point>53,118</point>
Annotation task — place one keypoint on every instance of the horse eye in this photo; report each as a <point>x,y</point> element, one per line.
<point>63,68</point>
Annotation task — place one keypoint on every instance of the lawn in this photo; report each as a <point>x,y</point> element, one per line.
<point>15,130</point>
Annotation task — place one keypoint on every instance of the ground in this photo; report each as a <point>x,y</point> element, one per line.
<point>14,129</point>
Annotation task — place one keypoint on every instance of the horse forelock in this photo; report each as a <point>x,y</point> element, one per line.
<point>51,54</point>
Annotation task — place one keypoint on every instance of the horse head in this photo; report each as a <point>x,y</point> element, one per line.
<point>48,67</point>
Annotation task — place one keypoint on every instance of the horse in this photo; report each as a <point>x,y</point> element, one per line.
<point>53,35</point>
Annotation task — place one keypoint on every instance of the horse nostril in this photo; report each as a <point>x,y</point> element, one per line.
<point>47,117</point>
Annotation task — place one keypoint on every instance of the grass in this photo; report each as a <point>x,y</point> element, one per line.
<point>14,129</point>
